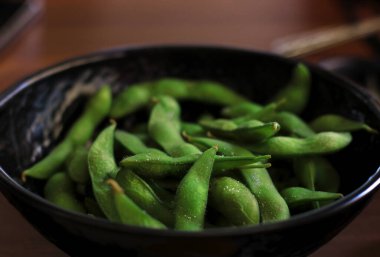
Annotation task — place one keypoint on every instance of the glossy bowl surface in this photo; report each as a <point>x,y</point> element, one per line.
<point>35,112</point>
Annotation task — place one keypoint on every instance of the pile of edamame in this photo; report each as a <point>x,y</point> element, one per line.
<point>167,173</point>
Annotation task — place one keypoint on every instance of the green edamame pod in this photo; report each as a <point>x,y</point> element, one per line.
<point>305,171</point>
<point>291,123</point>
<point>214,92</point>
<point>272,206</point>
<point>321,143</point>
<point>133,144</point>
<point>192,128</point>
<point>298,196</point>
<point>94,113</point>
<point>102,166</point>
<point>192,193</point>
<point>327,178</point>
<point>266,111</point>
<point>288,121</point>
<point>203,91</point>
<point>176,88</point>
<point>130,99</point>
<point>337,123</point>
<point>136,96</point>
<point>154,165</point>
<point>316,173</point>
<point>49,165</point>
<point>235,201</point>
<point>59,189</point>
<point>80,132</point>
<point>219,124</point>
<point>143,195</point>
<point>296,91</point>
<point>165,128</point>
<point>128,211</point>
<point>77,165</point>
<point>241,109</point>
<point>247,131</point>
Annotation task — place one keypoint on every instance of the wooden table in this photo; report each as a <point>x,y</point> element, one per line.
<point>69,28</point>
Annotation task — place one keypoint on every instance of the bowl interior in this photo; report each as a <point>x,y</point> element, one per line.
<point>34,116</point>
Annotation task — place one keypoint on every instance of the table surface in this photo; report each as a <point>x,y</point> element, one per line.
<point>69,28</point>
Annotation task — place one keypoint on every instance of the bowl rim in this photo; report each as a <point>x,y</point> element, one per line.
<point>367,188</point>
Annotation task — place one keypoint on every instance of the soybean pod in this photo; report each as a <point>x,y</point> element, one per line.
<point>102,166</point>
<point>316,173</point>
<point>165,128</point>
<point>143,195</point>
<point>80,132</point>
<point>130,100</point>
<point>272,206</point>
<point>133,144</point>
<point>128,211</point>
<point>235,201</point>
<point>296,92</point>
<point>59,189</point>
<point>155,165</point>
<point>298,196</point>
<point>77,165</point>
<point>321,143</point>
<point>333,122</point>
<point>136,96</point>
<point>247,131</point>
<point>192,193</point>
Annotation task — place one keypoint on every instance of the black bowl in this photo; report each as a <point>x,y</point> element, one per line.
<point>34,113</point>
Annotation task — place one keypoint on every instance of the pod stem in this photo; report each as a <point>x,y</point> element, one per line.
<point>115,186</point>
<point>23,177</point>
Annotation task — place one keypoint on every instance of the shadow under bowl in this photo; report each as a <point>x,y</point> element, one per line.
<point>35,112</point>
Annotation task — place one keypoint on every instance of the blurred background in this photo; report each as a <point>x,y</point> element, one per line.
<point>35,34</point>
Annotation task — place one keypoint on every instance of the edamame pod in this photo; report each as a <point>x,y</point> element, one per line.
<point>192,128</point>
<point>272,206</point>
<point>80,132</point>
<point>128,211</point>
<point>165,128</point>
<point>102,166</point>
<point>94,113</point>
<point>130,99</point>
<point>59,189</point>
<point>154,165</point>
<point>77,165</point>
<point>176,88</point>
<point>296,93</point>
<point>266,111</point>
<point>291,123</point>
<point>241,109</point>
<point>192,193</point>
<point>288,121</point>
<point>235,201</point>
<point>316,173</point>
<point>321,143</point>
<point>49,165</point>
<point>337,123</point>
<point>143,195</point>
<point>133,144</point>
<point>136,96</point>
<point>247,131</point>
<point>298,196</point>
<point>305,171</point>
